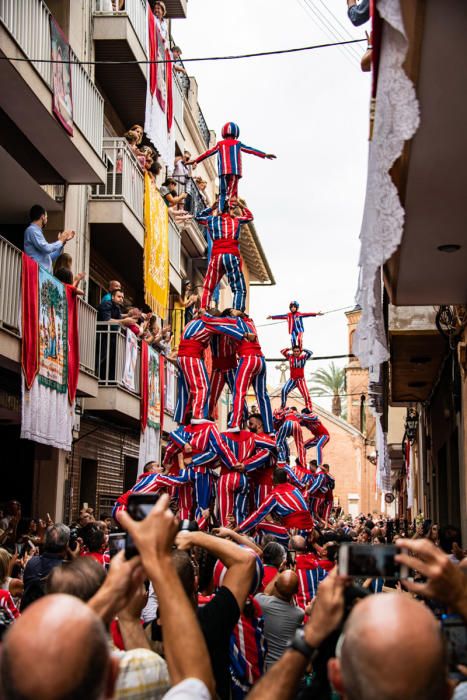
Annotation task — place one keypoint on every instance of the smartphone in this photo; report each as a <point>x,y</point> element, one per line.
<point>455,633</point>
<point>139,506</point>
<point>370,561</point>
<point>117,542</point>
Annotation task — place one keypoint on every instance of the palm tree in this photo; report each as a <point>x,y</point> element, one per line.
<point>330,381</point>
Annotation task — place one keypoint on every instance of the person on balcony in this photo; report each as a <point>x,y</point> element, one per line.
<point>35,243</point>
<point>358,13</point>
<point>229,162</point>
<point>63,271</point>
<point>169,193</point>
<point>160,11</point>
<point>177,62</point>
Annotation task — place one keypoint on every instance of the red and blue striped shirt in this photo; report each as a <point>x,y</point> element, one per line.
<point>229,156</point>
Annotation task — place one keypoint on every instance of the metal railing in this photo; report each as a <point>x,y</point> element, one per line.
<point>174,245</point>
<point>10,286</point>
<point>87,318</point>
<point>111,355</point>
<point>29,24</point>
<point>135,11</point>
<point>125,179</point>
<point>56,192</point>
<point>203,128</point>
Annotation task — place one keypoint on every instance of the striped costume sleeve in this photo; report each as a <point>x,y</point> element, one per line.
<point>267,442</point>
<point>259,515</point>
<point>259,459</point>
<point>247,216</point>
<point>227,326</point>
<point>308,314</point>
<point>180,437</point>
<point>316,485</point>
<point>294,478</point>
<point>207,154</point>
<point>204,458</point>
<point>307,353</point>
<point>7,604</point>
<point>252,151</point>
<point>279,317</point>
<point>204,216</point>
<point>217,444</point>
<point>285,352</point>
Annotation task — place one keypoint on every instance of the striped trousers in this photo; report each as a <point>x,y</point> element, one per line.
<point>193,389</point>
<point>297,338</point>
<point>228,189</point>
<point>232,498</point>
<point>220,265</point>
<point>325,508</point>
<point>319,443</point>
<point>251,370</point>
<point>299,384</point>
<point>219,378</point>
<point>283,450</point>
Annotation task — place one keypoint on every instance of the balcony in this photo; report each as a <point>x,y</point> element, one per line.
<point>176,9</point>
<point>114,397</point>
<point>116,207</point>
<point>179,107</point>
<point>10,332</point>
<point>121,35</point>
<point>174,256</point>
<point>26,98</point>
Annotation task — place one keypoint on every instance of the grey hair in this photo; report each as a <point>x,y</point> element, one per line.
<point>57,537</point>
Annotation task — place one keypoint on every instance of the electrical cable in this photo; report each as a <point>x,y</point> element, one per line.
<point>345,31</point>
<point>321,22</point>
<point>235,57</point>
<point>337,34</point>
<point>325,313</point>
<point>319,357</point>
<point>332,31</point>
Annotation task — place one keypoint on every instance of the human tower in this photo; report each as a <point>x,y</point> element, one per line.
<point>240,478</point>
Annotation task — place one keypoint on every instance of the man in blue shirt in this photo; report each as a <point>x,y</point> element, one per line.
<point>35,243</point>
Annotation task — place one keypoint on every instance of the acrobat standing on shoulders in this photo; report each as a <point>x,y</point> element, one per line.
<point>224,233</point>
<point>295,321</point>
<point>297,360</point>
<point>229,162</point>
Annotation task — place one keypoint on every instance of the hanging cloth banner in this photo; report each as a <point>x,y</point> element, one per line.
<point>159,96</point>
<point>62,99</point>
<point>149,446</point>
<point>131,358</point>
<point>47,413</point>
<point>156,249</point>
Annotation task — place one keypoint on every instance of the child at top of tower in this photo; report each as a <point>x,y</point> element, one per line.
<point>295,322</point>
<point>229,161</point>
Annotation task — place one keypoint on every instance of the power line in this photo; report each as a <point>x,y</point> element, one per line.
<point>345,31</point>
<point>321,357</point>
<point>336,34</point>
<point>188,60</point>
<point>317,18</point>
<point>325,313</point>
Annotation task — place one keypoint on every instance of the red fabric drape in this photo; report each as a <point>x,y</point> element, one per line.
<point>169,79</point>
<point>73,341</point>
<point>30,319</point>
<point>162,388</point>
<point>152,52</point>
<point>376,35</point>
<point>144,384</point>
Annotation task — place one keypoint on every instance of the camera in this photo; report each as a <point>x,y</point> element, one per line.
<point>371,561</point>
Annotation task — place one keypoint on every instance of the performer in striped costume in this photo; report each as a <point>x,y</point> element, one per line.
<point>310,569</point>
<point>203,444</point>
<point>316,492</point>
<point>251,370</point>
<point>193,381</point>
<point>286,503</point>
<point>297,360</point>
<point>153,479</point>
<point>328,500</point>
<point>261,479</point>
<point>229,162</point>
<point>224,232</point>
<point>289,421</point>
<point>295,322</point>
<point>320,434</point>
<point>224,366</point>
<point>232,487</point>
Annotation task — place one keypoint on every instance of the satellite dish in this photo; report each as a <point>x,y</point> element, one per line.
<point>389,497</point>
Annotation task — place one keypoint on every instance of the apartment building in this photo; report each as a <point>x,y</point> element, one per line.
<point>77,180</point>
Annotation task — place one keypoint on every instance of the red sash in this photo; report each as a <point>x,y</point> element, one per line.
<point>191,348</point>
<point>297,373</point>
<point>223,245</point>
<point>246,348</point>
<point>229,362</point>
<point>301,520</point>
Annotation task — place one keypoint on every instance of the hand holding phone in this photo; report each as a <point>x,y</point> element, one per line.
<point>371,561</point>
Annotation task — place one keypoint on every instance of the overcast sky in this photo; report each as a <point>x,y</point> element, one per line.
<point>311,110</point>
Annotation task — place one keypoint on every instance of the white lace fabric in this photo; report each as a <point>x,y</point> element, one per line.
<point>396,121</point>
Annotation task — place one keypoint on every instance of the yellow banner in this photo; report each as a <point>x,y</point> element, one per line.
<point>156,249</point>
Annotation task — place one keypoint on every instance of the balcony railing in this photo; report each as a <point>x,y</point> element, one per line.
<point>111,355</point>
<point>125,180</point>
<point>203,128</point>
<point>87,318</point>
<point>174,245</point>
<point>28,23</point>
<point>10,285</point>
<point>178,100</point>
<point>135,10</point>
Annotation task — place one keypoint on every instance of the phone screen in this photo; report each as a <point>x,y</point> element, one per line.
<point>139,506</point>
<point>370,561</point>
<point>117,542</point>
<point>455,633</point>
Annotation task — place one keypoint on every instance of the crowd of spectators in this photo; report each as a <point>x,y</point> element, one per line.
<point>217,613</point>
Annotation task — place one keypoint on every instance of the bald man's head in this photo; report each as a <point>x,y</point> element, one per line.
<point>392,650</point>
<point>286,585</point>
<point>298,543</point>
<point>57,649</point>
